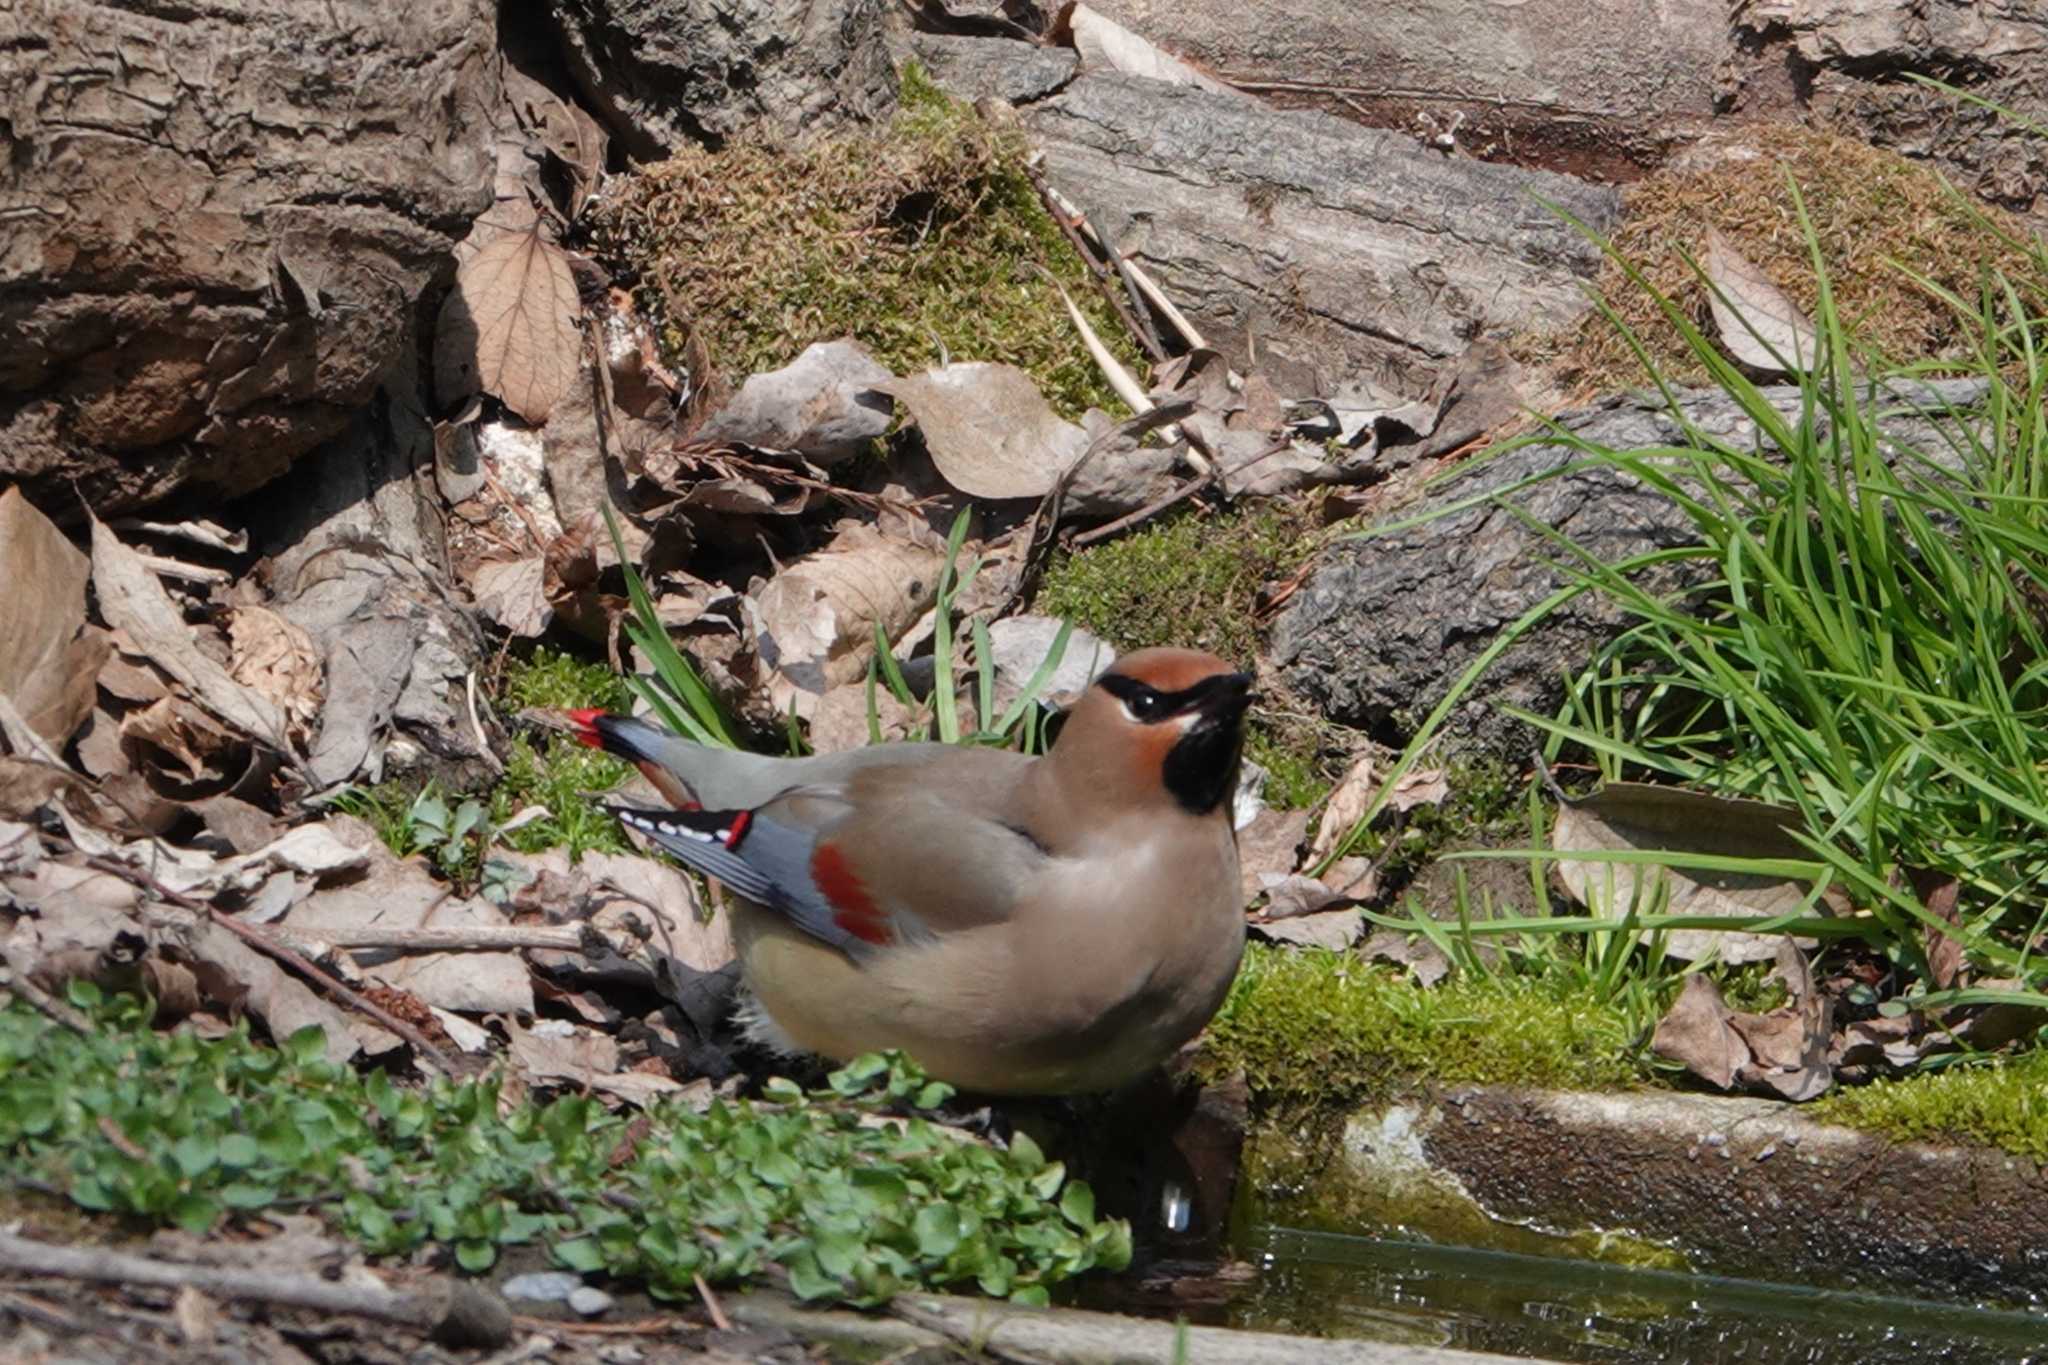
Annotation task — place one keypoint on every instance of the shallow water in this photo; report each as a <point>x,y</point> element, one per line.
<point>1326,1284</point>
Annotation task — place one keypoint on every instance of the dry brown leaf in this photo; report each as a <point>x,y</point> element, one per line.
<point>133,601</point>
<point>176,741</point>
<point>828,404</point>
<point>401,894</point>
<point>1268,845</point>
<point>1022,643</point>
<point>1289,895</point>
<point>989,430</point>
<point>510,327</point>
<point>48,657</point>
<point>275,658</point>
<point>1781,1052</point>
<point>557,1050</point>
<point>1944,950</point>
<point>1695,1033</point>
<point>840,721</point>
<point>512,592</point>
<point>1421,957</point>
<point>1332,929</point>
<point>1356,791</point>
<point>1759,325</point>
<point>1641,816</point>
<point>813,624</point>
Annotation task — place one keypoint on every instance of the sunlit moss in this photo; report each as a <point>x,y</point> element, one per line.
<point>1331,1030</point>
<point>921,239</point>
<point>2001,1104</point>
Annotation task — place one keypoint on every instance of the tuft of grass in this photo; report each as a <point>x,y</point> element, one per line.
<point>2003,1106</point>
<point>919,237</point>
<point>175,1129</point>
<point>1324,1029</point>
<point>1871,210</point>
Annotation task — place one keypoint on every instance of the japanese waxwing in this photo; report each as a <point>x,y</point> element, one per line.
<point>1018,925</point>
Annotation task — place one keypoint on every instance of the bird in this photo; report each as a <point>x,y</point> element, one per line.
<point>1016,924</point>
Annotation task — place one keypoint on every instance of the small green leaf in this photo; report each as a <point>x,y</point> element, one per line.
<point>475,1257</point>
<point>307,1045</point>
<point>580,1254</point>
<point>238,1150</point>
<point>1078,1204</point>
<point>1024,1153</point>
<point>806,1281</point>
<point>937,1229</point>
<point>194,1156</point>
<point>247,1194</point>
<point>196,1213</point>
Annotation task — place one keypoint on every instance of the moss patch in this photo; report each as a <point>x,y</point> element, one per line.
<point>1872,210</point>
<point>1309,1027</point>
<point>1191,581</point>
<point>920,236</point>
<point>554,770</point>
<point>2002,1105</point>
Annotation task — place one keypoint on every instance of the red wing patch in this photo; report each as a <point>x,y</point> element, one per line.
<point>853,910</point>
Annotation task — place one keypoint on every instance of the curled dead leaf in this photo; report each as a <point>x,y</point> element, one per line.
<point>275,658</point>
<point>813,624</point>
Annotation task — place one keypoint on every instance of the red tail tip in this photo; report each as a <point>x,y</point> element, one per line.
<point>585,722</point>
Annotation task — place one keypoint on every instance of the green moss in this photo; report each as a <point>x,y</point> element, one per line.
<point>2002,1104</point>
<point>1309,1027</point>
<point>923,237</point>
<point>1191,581</point>
<point>553,677</point>
<point>556,771</point>
<point>1296,775</point>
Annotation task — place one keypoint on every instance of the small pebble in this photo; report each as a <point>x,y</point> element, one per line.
<point>1768,1152</point>
<point>589,1302</point>
<point>1715,1140</point>
<point>542,1286</point>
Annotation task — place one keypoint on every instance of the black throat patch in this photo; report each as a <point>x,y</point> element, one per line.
<point>1201,770</point>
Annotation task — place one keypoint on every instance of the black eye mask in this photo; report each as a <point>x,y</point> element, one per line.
<point>1201,768</point>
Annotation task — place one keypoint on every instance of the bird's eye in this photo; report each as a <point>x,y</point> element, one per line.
<point>1146,705</point>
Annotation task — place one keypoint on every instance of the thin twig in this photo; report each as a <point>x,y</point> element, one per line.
<point>1142,331</point>
<point>18,983</point>
<point>1145,513</point>
<point>456,1310</point>
<point>711,1304</point>
<point>1148,335</point>
<point>483,743</point>
<point>483,938</point>
<point>264,942</point>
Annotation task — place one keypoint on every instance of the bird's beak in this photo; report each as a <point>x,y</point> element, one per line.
<point>583,726</point>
